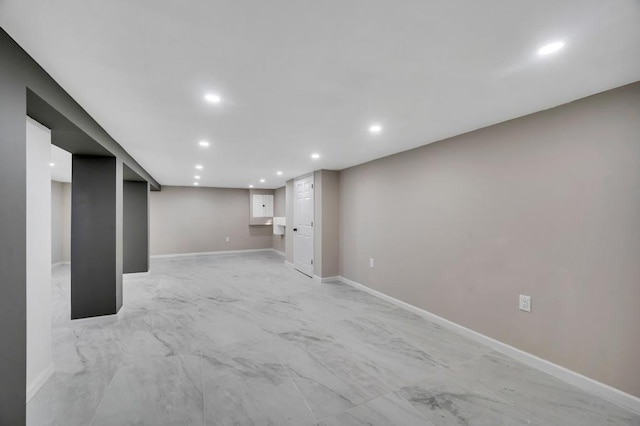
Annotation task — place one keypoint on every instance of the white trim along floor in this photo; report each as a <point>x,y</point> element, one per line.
<point>244,339</point>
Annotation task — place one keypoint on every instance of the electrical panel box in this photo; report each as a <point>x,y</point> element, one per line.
<point>261,206</point>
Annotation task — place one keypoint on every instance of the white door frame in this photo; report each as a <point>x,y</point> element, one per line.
<point>302,254</point>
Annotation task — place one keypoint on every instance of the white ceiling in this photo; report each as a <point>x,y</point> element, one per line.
<point>298,77</point>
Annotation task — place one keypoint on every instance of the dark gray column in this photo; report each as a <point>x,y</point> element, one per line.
<point>13,247</point>
<point>135,227</point>
<point>96,236</point>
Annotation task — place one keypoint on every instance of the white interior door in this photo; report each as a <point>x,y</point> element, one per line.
<point>303,225</point>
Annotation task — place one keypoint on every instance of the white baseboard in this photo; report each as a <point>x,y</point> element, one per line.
<point>289,264</point>
<point>325,279</point>
<point>207,253</point>
<point>281,253</point>
<point>137,274</point>
<point>42,378</point>
<point>64,262</point>
<point>576,379</point>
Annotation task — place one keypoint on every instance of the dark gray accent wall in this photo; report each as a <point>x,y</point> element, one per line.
<point>135,227</point>
<point>13,247</point>
<point>27,89</point>
<point>96,286</point>
<point>73,129</point>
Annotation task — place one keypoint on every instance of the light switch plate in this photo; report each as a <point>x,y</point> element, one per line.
<point>525,303</point>
<point>371,262</point>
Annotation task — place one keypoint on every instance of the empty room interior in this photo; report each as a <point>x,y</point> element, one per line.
<point>325,213</point>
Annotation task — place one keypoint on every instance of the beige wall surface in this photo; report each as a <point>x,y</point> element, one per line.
<point>60,222</point>
<point>195,220</point>
<point>330,223</point>
<point>547,205</point>
<point>279,209</point>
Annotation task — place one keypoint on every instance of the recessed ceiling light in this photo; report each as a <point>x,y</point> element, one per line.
<point>52,164</point>
<point>261,180</point>
<point>199,166</point>
<point>203,144</point>
<point>551,48</point>
<point>196,183</point>
<point>196,177</point>
<point>279,173</point>
<point>315,156</point>
<point>213,98</point>
<point>250,186</point>
<point>375,128</point>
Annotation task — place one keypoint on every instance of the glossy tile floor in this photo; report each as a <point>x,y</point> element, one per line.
<point>245,340</point>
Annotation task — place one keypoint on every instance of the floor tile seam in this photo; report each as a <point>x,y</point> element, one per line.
<point>286,369</point>
<point>439,371</point>
<point>356,405</point>
<point>466,361</point>
<point>336,374</point>
<point>512,403</point>
<point>504,398</point>
<point>525,410</point>
<point>386,382</point>
<point>533,370</point>
<point>420,413</point>
<point>202,387</point>
<point>393,391</point>
<point>104,393</point>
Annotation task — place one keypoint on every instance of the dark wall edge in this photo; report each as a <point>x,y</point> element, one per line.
<point>38,81</point>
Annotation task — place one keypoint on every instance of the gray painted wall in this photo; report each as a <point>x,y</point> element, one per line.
<point>13,231</point>
<point>60,222</point>
<point>22,78</point>
<point>96,236</point>
<point>547,205</point>
<point>198,219</point>
<point>135,227</point>
<point>279,209</point>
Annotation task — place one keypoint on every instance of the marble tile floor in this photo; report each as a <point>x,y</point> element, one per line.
<point>245,340</point>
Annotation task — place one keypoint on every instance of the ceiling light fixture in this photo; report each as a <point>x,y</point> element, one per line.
<point>550,48</point>
<point>196,183</point>
<point>196,177</point>
<point>262,180</point>
<point>213,98</point>
<point>375,128</point>
<point>199,166</point>
<point>52,164</point>
<point>315,156</point>
<point>250,186</point>
<point>203,144</point>
<point>279,173</point>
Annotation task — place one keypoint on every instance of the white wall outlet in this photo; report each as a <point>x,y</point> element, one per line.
<point>227,239</point>
<point>371,262</point>
<point>525,303</point>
